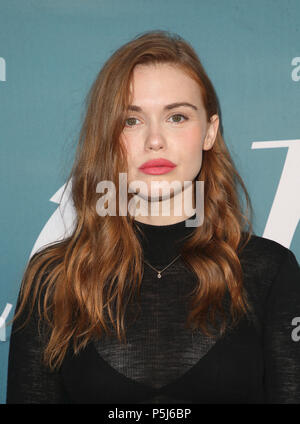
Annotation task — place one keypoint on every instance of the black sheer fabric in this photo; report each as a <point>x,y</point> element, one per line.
<point>164,361</point>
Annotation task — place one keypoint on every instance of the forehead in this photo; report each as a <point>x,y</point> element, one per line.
<point>163,81</point>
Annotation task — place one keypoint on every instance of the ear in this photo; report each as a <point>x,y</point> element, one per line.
<point>211,132</point>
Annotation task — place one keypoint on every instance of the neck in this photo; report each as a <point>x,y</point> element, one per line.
<point>169,210</point>
<point>162,243</point>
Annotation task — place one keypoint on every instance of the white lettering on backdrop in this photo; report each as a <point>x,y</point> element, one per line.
<point>285,211</point>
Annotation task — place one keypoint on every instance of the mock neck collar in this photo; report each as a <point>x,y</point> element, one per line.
<point>162,243</point>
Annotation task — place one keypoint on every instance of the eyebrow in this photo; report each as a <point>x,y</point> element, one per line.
<point>167,107</point>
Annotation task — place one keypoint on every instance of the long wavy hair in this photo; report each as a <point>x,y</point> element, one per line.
<point>81,285</point>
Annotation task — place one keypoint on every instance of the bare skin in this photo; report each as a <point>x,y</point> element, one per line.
<point>179,134</point>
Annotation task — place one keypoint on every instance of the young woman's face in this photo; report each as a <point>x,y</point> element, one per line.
<point>166,120</point>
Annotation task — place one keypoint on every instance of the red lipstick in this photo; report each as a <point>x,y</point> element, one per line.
<point>157,166</point>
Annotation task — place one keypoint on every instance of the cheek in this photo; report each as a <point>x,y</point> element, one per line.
<point>131,147</point>
<point>133,157</point>
<point>191,144</point>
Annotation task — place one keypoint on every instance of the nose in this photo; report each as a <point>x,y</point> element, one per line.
<point>155,139</point>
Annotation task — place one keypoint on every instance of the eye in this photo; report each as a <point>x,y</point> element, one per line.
<point>177,117</point>
<point>130,122</point>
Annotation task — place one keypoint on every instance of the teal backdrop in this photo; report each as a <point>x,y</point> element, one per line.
<point>50,53</point>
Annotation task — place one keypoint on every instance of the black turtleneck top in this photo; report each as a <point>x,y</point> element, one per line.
<point>164,361</point>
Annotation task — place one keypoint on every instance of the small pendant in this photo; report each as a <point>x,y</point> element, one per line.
<point>159,275</point>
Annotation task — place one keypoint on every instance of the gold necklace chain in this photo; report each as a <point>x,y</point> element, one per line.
<point>160,272</point>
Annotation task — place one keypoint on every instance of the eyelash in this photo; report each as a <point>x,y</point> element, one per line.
<point>176,114</point>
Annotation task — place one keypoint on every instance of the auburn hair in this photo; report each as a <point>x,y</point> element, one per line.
<point>81,285</point>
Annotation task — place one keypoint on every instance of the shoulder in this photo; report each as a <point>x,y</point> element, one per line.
<point>270,247</point>
<point>265,261</point>
<point>45,260</point>
<point>36,279</point>
<point>266,253</point>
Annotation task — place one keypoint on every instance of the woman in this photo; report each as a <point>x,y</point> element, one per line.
<point>157,307</point>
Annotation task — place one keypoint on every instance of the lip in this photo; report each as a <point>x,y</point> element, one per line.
<point>157,163</point>
<point>157,166</point>
<point>157,170</point>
